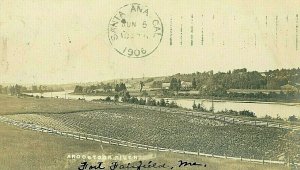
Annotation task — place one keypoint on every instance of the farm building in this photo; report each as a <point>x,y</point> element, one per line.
<point>289,87</point>
<point>185,85</point>
<point>166,85</point>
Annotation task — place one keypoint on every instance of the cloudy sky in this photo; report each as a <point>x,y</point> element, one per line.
<point>62,41</point>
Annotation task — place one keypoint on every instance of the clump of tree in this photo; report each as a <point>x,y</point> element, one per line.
<point>218,84</point>
<point>108,99</point>
<point>175,84</point>
<point>142,84</point>
<point>78,89</point>
<point>4,90</point>
<point>292,118</point>
<point>156,84</point>
<point>120,87</point>
<point>93,89</point>
<point>149,80</point>
<point>199,107</point>
<point>126,97</point>
<point>149,101</point>
<point>15,90</point>
<point>246,113</point>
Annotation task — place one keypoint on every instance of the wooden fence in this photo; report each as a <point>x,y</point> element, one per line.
<point>112,141</point>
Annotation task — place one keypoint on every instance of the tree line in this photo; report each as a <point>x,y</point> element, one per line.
<point>239,79</point>
<point>16,90</point>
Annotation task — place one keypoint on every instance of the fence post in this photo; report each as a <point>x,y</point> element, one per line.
<point>232,120</point>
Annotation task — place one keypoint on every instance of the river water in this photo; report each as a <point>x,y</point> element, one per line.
<point>261,109</point>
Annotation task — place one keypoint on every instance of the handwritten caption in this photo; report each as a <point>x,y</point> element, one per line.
<point>139,165</point>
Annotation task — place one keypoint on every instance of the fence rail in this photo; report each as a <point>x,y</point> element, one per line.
<point>118,142</point>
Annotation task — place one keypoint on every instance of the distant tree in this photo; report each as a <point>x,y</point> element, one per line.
<point>23,89</point>
<point>42,89</point>
<point>194,83</point>
<point>117,88</point>
<point>122,87</point>
<point>126,97</point>
<point>34,89</point>
<point>173,105</point>
<point>12,90</point>
<point>174,84</point>
<point>200,107</point>
<point>162,103</point>
<point>194,106</point>
<point>151,102</point>
<point>247,113</point>
<point>142,101</point>
<point>116,98</point>
<point>144,93</point>
<point>141,86</point>
<point>107,87</point>
<point>278,117</point>
<point>108,99</point>
<point>18,89</point>
<point>149,80</point>
<point>178,85</point>
<point>292,118</point>
<point>5,90</point>
<point>78,89</point>
<point>268,117</point>
<point>157,84</point>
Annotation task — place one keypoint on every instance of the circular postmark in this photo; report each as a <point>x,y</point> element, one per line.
<point>135,30</point>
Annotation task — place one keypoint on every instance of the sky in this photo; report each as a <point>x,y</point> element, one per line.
<point>64,41</point>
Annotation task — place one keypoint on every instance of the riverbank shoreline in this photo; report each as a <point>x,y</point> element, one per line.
<point>287,103</point>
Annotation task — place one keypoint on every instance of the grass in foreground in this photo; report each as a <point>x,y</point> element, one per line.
<point>28,150</point>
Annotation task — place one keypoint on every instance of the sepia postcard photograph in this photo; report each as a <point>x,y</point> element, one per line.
<point>149,85</point>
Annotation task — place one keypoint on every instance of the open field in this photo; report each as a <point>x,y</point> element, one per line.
<point>28,150</point>
<point>14,105</point>
<point>169,130</point>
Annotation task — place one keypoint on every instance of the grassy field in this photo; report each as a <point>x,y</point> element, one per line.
<point>170,130</point>
<point>28,150</point>
<point>24,149</point>
<point>14,105</point>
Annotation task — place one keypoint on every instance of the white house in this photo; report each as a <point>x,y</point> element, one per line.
<point>186,85</point>
<point>166,85</point>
